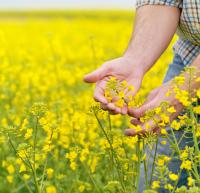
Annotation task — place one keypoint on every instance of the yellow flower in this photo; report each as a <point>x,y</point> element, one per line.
<point>198,79</point>
<point>155,184</point>
<point>84,153</point>
<point>28,134</point>
<point>191,181</point>
<point>119,103</point>
<point>158,110</point>
<point>165,118</point>
<point>135,157</point>
<point>171,110</point>
<point>198,133</point>
<point>168,187</point>
<point>166,158</point>
<point>26,176</point>
<point>131,88</point>
<point>184,154</point>
<point>163,142</point>
<point>51,189</point>
<point>108,95</point>
<point>186,165</point>
<point>161,162</point>
<point>81,188</point>
<point>198,130</point>
<point>169,92</point>
<point>194,100</point>
<point>50,172</point>
<point>173,176</point>
<point>182,96</point>
<point>113,79</point>
<point>124,83</point>
<point>22,168</point>
<point>175,125</point>
<point>198,93</point>
<point>10,168</point>
<point>73,165</point>
<point>163,131</point>
<point>179,80</point>
<point>72,155</point>
<point>196,109</point>
<point>9,179</point>
<point>22,153</point>
<point>93,164</point>
<point>121,94</point>
<point>137,128</point>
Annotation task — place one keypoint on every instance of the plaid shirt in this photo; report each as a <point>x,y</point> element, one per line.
<point>188,45</point>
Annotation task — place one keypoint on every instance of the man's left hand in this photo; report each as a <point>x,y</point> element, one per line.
<point>154,99</point>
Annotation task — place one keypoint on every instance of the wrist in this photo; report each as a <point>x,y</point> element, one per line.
<point>136,62</point>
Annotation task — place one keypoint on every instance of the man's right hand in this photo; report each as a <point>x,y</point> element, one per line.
<point>123,68</point>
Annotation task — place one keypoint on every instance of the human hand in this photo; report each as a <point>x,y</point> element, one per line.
<point>154,99</point>
<point>123,68</point>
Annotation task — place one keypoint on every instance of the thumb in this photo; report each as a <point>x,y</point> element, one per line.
<point>96,75</point>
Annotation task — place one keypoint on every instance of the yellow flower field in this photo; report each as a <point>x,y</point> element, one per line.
<point>50,139</point>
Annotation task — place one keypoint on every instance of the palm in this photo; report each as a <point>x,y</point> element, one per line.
<point>122,69</point>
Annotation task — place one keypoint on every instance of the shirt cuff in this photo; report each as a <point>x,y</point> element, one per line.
<point>172,3</point>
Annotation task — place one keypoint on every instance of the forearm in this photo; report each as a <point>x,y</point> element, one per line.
<point>154,28</point>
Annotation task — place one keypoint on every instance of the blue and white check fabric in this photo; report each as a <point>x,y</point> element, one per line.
<point>188,45</point>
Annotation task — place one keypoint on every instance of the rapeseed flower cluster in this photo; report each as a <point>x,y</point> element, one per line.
<point>55,139</point>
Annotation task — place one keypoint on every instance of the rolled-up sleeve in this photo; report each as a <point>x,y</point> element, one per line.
<point>172,3</point>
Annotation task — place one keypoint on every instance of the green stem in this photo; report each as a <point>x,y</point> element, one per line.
<point>145,170</point>
<point>35,141</point>
<point>176,183</point>
<point>45,166</point>
<point>91,178</point>
<point>34,174</point>
<point>154,160</point>
<point>27,186</point>
<point>138,167</point>
<point>35,180</point>
<point>112,149</point>
<point>15,150</point>
<point>175,141</point>
<point>34,152</point>
<point>112,156</point>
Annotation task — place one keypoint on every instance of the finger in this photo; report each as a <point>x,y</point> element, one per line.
<point>96,75</point>
<point>140,112</point>
<point>99,92</point>
<point>133,132</point>
<point>112,107</point>
<point>134,113</point>
<point>124,110</point>
<point>105,108</point>
<point>108,107</point>
<point>136,122</point>
<point>148,127</point>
